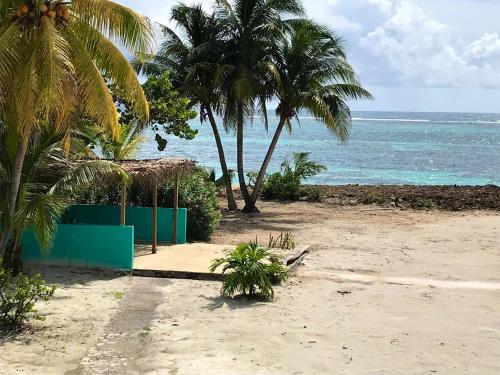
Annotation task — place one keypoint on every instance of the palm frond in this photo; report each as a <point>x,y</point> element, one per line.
<point>114,66</point>
<point>54,68</point>
<point>96,100</point>
<point>117,22</point>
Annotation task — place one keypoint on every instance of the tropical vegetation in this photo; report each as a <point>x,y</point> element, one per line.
<point>245,53</point>
<point>194,57</point>
<point>53,57</point>
<point>169,112</point>
<point>18,297</point>
<point>250,270</point>
<point>48,181</point>
<point>286,185</point>
<point>284,241</point>
<point>66,88</point>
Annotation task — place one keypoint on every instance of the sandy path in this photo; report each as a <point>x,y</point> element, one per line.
<point>125,337</point>
<point>75,319</point>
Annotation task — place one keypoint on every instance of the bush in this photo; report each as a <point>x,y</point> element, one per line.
<point>18,297</point>
<point>287,184</point>
<point>197,193</point>
<point>250,270</point>
<point>311,194</point>
<point>281,187</point>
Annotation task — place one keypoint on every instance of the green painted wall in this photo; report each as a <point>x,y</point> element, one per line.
<point>140,217</point>
<point>85,246</point>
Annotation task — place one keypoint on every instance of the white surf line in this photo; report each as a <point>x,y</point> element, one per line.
<point>368,279</point>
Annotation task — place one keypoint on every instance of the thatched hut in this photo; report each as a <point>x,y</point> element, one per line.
<point>151,173</point>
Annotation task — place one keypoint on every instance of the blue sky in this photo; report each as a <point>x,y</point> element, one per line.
<point>414,55</point>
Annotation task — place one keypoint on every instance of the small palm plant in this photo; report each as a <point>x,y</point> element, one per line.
<point>287,184</point>
<point>250,270</point>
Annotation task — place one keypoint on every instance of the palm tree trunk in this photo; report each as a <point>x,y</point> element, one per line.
<point>239,158</point>
<point>12,255</point>
<point>231,202</point>
<point>15,182</point>
<point>267,160</point>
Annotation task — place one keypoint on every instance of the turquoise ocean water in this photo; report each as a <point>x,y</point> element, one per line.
<point>384,148</point>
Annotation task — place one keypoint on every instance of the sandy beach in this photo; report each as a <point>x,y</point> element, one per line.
<point>383,291</point>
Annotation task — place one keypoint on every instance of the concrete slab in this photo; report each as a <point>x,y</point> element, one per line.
<point>187,261</point>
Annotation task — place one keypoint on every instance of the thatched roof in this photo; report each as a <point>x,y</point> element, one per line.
<point>156,170</point>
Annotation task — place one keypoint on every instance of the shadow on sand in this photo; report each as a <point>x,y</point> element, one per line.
<point>235,303</point>
<point>69,276</point>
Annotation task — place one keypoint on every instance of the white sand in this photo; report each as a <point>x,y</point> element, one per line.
<point>424,298</point>
<point>75,318</point>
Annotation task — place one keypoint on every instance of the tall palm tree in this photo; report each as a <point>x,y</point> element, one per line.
<point>311,72</point>
<point>53,54</point>
<point>254,28</point>
<point>48,180</point>
<point>194,57</point>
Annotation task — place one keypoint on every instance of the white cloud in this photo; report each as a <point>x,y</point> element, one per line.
<point>385,6</point>
<point>423,51</point>
<point>398,42</point>
<point>486,48</point>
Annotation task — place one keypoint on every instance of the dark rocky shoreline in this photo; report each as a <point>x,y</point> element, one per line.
<point>451,198</point>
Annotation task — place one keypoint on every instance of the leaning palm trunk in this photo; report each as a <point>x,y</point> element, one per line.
<point>17,169</point>
<point>239,161</point>
<point>267,160</point>
<point>12,256</point>
<point>231,202</point>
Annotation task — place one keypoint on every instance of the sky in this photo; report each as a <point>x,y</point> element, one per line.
<point>413,55</point>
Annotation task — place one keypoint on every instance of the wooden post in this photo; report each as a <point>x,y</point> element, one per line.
<point>176,208</point>
<point>155,217</point>
<point>123,203</point>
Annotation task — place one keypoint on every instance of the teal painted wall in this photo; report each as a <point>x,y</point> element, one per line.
<point>85,246</point>
<point>140,217</point>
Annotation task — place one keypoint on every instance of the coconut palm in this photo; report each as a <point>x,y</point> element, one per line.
<point>311,73</point>
<point>53,55</point>
<point>194,56</point>
<point>254,28</point>
<point>48,180</point>
<point>125,146</point>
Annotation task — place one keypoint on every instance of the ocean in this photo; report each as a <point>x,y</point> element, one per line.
<point>384,148</point>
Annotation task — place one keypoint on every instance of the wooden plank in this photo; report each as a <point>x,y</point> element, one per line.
<point>155,218</point>
<point>294,261</point>
<point>176,209</point>
<point>123,204</point>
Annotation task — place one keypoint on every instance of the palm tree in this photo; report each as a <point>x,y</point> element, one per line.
<point>254,28</point>
<point>48,180</point>
<point>311,72</point>
<point>125,146</point>
<point>53,54</point>
<point>193,55</point>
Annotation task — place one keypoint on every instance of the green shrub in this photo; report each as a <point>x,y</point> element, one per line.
<point>250,270</point>
<point>427,204</point>
<point>311,194</point>
<point>287,184</point>
<point>374,199</point>
<point>18,297</point>
<point>281,187</point>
